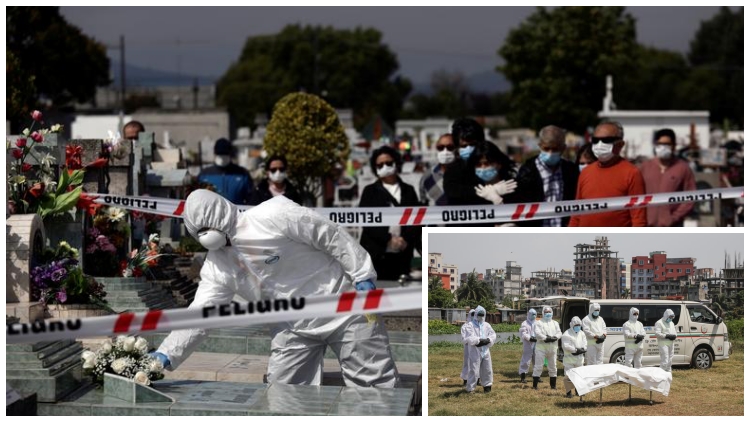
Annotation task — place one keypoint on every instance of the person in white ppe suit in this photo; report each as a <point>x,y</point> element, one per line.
<point>547,333</point>
<point>279,249</point>
<point>465,369</point>
<point>666,335</point>
<point>635,338</point>
<point>574,347</point>
<point>595,330</point>
<point>479,336</point>
<point>528,338</point>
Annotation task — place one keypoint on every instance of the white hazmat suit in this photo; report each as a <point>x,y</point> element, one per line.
<point>596,332</point>
<point>279,249</point>
<point>574,347</point>
<point>635,338</point>
<point>479,336</point>
<point>465,369</point>
<point>549,330</point>
<point>528,338</point>
<point>666,335</point>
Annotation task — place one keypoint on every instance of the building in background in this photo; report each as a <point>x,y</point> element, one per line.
<point>656,276</point>
<point>436,266</point>
<point>597,271</point>
<point>552,283</point>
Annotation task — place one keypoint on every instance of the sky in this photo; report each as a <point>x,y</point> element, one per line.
<point>205,41</point>
<point>539,251</point>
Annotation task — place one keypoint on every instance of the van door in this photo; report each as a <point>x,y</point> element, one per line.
<point>705,329</point>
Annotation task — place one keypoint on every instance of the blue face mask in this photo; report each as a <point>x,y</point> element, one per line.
<point>596,313</point>
<point>486,174</point>
<point>669,320</point>
<point>465,152</point>
<point>577,328</point>
<point>548,316</point>
<point>550,159</point>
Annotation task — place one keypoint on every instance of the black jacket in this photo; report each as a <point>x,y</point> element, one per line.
<point>263,193</point>
<point>531,186</point>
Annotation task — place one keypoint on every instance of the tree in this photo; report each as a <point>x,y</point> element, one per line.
<point>21,90</point>
<point>439,297</point>
<point>349,68</point>
<point>306,131</point>
<point>653,83</point>
<point>474,292</point>
<point>66,64</point>
<point>557,62</point>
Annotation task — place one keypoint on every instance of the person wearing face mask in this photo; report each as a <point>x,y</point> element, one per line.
<point>465,369</point>
<point>492,169</point>
<point>226,178</point>
<point>585,156</point>
<point>635,338</point>
<point>596,332</point>
<point>431,185</point>
<point>479,336</point>
<point>548,177</point>
<point>391,248</point>
<point>276,182</point>
<point>528,338</point>
<point>667,173</point>
<point>547,333</point>
<point>611,176</point>
<point>574,347</point>
<point>666,335</point>
<point>279,249</point>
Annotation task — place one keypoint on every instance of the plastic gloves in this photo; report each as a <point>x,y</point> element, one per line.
<point>550,339</point>
<point>532,339</point>
<point>638,338</point>
<point>365,285</point>
<point>671,337</point>
<point>488,192</point>
<point>483,342</point>
<point>505,187</point>
<point>161,357</point>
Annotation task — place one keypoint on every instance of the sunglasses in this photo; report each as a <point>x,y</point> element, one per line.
<point>480,315</point>
<point>450,147</point>
<point>274,170</point>
<point>605,139</point>
<point>385,163</point>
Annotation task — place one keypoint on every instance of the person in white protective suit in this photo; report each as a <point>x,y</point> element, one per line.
<point>528,338</point>
<point>547,333</point>
<point>595,330</point>
<point>666,335</point>
<point>479,336</point>
<point>635,337</point>
<point>279,249</point>
<point>574,347</point>
<point>465,369</point>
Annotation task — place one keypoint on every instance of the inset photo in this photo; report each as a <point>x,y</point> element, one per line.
<point>585,324</point>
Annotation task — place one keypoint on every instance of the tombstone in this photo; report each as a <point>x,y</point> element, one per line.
<point>25,239</point>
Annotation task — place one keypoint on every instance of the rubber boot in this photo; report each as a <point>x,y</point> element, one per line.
<point>569,395</point>
<point>523,378</point>
<point>464,382</point>
<point>487,389</point>
<point>553,383</point>
<point>536,381</point>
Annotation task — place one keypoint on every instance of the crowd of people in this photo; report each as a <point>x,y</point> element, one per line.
<point>541,339</point>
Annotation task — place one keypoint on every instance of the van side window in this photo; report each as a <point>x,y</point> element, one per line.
<point>615,315</point>
<point>699,313</point>
<point>677,309</point>
<point>649,314</point>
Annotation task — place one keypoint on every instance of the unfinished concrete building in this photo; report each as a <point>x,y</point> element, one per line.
<point>597,271</point>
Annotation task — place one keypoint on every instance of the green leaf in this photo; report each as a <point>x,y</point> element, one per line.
<point>64,202</point>
<point>76,178</point>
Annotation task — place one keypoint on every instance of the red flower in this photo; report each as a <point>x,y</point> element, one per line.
<point>26,167</point>
<point>99,162</point>
<point>86,202</point>
<point>36,115</point>
<point>36,136</point>
<point>73,157</point>
<point>17,153</point>
<point>21,142</point>
<point>36,190</point>
<point>123,265</point>
<point>137,272</point>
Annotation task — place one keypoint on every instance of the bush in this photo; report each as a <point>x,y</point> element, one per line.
<point>506,328</point>
<point>736,329</point>
<point>438,326</point>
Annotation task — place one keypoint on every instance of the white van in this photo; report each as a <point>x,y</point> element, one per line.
<point>702,336</point>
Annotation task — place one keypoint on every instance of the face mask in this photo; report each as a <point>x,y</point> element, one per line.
<point>480,319</point>
<point>603,151</point>
<point>446,157</point>
<point>486,174</point>
<point>547,317</point>
<point>212,239</point>
<point>386,171</point>
<point>576,328</point>
<point>465,152</point>
<point>223,160</point>
<point>669,320</point>
<point>663,151</point>
<point>595,314</point>
<point>277,176</point>
<point>550,159</point>
<point>581,167</point>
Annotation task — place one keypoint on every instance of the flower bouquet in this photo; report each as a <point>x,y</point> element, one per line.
<point>108,237</point>
<point>127,357</point>
<point>143,259</point>
<point>59,280</point>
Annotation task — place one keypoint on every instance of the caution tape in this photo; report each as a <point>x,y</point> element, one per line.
<point>228,315</point>
<point>435,215</point>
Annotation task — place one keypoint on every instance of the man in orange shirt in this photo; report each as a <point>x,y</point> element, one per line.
<point>610,176</point>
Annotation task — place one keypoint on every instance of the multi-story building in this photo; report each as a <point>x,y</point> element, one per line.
<point>625,277</point>
<point>656,276</point>
<point>597,271</point>
<point>512,285</point>
<point>436,266</point>
<point>495,277</point>
<point>552,283</point>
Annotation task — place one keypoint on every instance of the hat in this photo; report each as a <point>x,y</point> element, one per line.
<point>223,147</point>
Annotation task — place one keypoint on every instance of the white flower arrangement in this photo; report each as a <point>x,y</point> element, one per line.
<point>127,356</point>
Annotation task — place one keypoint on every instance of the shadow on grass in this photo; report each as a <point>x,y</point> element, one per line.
<point>456,393</point>
<point>594,402</point>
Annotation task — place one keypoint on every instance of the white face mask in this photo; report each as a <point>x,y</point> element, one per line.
<point>446,157</point>
<point>663,151</point>
<point>386,171</point>
<point>212,239</point>
<point>480,319</point>
<point>277,176</point>
<point>223,160</point>
<point>603,151</point>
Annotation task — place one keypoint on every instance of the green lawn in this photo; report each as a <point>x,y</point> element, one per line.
<point>717,391</point>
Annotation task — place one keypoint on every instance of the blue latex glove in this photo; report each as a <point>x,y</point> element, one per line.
<point>161,357</point>
<point>365,285</point>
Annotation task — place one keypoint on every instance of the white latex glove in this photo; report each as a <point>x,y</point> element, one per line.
<point>488,192</point>
<point>505,187</point>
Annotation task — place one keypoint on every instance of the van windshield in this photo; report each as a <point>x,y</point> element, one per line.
<point>699,313</point>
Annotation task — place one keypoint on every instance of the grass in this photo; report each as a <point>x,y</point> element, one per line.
<point>718,391</point>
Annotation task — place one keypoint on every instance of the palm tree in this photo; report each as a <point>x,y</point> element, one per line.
<point>474,290</point>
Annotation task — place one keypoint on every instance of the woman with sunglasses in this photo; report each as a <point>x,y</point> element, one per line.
<point>431,189</point>
<point>275,183</point>
<point>391,248</point>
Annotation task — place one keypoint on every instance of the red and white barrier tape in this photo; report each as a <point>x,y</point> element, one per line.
<point>228,315</point>
<point>415,216</point>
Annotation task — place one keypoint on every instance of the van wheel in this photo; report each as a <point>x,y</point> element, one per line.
<point>702,359</point>
<point>618,357</point>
